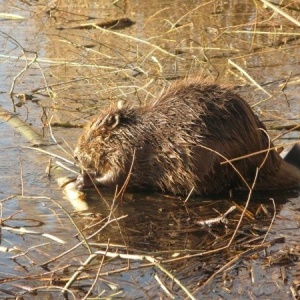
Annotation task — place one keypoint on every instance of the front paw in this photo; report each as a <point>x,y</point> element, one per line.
<point>83,181</point>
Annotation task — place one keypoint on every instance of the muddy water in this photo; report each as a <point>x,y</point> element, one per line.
<point>66,71</point>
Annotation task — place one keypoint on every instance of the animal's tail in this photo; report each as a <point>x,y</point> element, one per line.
<point>293,156</point>
<point>282,173</point>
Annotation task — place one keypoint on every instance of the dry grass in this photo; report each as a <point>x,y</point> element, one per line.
<point>165,252</point>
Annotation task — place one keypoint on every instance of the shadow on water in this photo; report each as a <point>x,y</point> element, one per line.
<point>156,222</point>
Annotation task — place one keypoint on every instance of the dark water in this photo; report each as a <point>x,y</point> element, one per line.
<point>66,74</point>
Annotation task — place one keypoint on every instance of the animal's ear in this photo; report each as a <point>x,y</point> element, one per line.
<point>121,104</point>
<point>112,120</point>
<point>109,122</point>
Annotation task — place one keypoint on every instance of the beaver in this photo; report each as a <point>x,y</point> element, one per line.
<point>177,143</point>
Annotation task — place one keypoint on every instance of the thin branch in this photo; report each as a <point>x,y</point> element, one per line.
<point>281,12</point>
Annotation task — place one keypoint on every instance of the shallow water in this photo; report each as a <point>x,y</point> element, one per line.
<point>77,72</point>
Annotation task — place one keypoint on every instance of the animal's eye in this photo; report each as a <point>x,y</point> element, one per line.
<point>91,137</point>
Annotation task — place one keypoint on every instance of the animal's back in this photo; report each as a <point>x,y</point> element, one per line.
<point>204,125</point>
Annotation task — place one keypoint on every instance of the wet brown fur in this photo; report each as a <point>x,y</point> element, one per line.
<point>168,135</point>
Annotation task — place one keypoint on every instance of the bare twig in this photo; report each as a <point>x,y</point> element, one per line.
<point>78,272</point>
<point>248,76</point>
<point>272,221</point>
<point>128,37</point>
<point>97,275</point>
<point>21,72</point>
<point>233,262</point>
<point>221,219</point>
<point>122,190</point>
<point>52,154</point>
<point>165,289</point>
<point>281,12</point>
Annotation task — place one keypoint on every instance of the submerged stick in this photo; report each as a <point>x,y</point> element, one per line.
<point>221,219</point>
<point>21,126</point>
<point>75,196</point>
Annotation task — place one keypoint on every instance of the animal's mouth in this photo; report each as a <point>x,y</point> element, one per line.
<point>105,179</point>
<point>89,172</point>
<point>89,177</point>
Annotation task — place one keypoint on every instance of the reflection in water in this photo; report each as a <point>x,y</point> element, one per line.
<point>160,223</point>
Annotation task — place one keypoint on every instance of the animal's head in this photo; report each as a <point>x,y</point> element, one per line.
<point>105,147</point>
